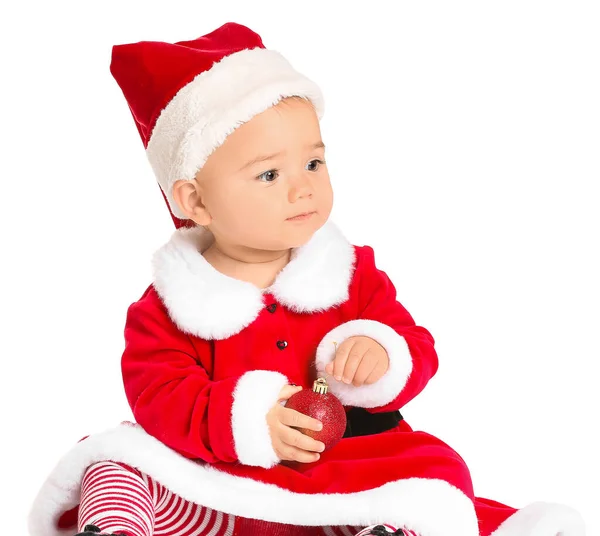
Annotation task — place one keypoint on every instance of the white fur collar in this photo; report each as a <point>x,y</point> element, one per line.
<point>209,304</point>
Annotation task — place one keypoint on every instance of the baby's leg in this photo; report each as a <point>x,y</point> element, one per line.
<point>175,516</point>
<point>116,499</point>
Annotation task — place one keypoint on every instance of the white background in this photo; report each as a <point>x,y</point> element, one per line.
<point>463,144</point>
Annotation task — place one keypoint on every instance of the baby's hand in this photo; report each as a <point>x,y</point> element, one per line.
<point>359,360</point>
<point>288,443</point>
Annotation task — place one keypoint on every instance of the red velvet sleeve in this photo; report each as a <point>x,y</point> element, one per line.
<point>379,315</point>
<point>174,399</point>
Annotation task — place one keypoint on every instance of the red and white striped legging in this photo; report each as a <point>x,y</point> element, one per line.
<point>118,498</point>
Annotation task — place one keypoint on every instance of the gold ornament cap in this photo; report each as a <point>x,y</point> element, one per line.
<point>320,386</point>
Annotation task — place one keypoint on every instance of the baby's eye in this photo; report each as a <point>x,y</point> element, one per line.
<point>319,162</point>
<point>267,175</point>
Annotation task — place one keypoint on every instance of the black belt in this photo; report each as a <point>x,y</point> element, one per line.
<point>359,422</point>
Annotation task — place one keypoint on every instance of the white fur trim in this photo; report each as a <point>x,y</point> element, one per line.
<point>319,273</point>
<point>209,108</point>
<point>209,304</point>
<point>200,299</point>
<point>393,381</point>
<point>254,395</point>
<point>543,519</point>
<point>428,506</point>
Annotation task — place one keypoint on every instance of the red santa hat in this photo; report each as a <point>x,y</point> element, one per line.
<point>187,97</point>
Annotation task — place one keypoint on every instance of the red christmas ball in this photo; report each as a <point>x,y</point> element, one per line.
<point>326,407</point>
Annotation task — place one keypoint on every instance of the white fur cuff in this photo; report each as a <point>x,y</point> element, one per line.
<point>255,394</point>
<point>393,381</point>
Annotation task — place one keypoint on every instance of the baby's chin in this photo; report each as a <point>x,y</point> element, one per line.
<point>289,236</point>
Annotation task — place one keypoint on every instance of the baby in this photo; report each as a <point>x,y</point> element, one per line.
<point>256,295</point>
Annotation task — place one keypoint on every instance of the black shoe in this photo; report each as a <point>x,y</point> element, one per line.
<point>380,530</point>
<point>93,530</point>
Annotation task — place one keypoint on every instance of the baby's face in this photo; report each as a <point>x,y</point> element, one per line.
<point>249,201</point>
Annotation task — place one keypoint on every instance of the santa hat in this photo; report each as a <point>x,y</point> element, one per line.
<point>187,97</point>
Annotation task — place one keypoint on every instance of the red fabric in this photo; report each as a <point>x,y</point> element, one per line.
<point>150,73</point>
<point>180,387</point>
<point>366,462</point>
<point>169,388</point>
<point>258,527</point>
<point>491,514</point>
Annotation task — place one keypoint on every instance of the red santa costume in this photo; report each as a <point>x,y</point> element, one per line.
<point>206,354</point>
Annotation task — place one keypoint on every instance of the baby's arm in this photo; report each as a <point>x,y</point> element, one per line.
<point>377,314</point>
<point>174,400</point>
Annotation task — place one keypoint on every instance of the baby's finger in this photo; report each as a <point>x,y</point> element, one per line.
<point>287,452</point>
<point>367,364</point>
<point>291,417</point>
<point>352,363</point>
<point>376,373</point>
<point>341,355</point>
<point>297,439</point>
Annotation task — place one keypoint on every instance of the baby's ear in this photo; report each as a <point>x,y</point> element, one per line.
<point>187,195</point>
